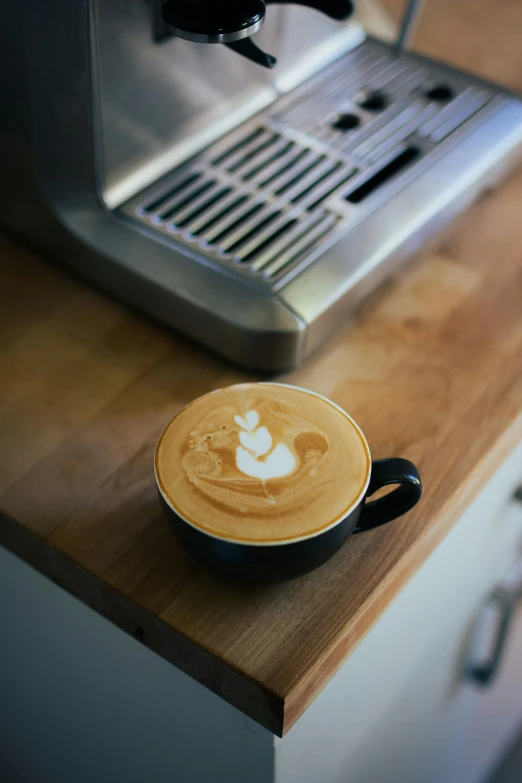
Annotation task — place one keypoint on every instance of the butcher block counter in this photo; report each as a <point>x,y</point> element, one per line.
<point>430,367</point>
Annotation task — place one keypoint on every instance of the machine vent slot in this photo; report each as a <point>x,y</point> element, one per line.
<point>158,202</point>
<point>277,261</point>
<point>322,195</point>
<point>247,231</point>
<point>265,240</point>
<point>237,146</point>
<point>298,173</point>
<point>186,197</point>
<point>270,197</point>
<point>251,152</point>
<point>272,174</point>
<point>223,208</point>
<point>318,179</point>
<point>405,158</point>
<point>232,222</point>
<point>264,161</point>
<point>202,206</point>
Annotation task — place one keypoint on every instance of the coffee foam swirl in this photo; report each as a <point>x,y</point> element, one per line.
<point>262,463</point>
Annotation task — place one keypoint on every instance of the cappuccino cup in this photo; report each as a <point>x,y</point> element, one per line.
<point>264,482</point>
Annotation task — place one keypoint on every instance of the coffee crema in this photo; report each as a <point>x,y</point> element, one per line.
<point>262,463</point>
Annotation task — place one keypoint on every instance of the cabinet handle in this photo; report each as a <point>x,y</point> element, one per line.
<point>489,636</point>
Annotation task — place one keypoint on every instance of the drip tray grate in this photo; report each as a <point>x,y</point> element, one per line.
<point>270,197</point>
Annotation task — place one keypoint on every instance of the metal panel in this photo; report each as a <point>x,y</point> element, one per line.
<point>266,199</point>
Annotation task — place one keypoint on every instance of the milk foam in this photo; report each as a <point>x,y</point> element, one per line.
<point>256,444</point>
<point>262,463</point>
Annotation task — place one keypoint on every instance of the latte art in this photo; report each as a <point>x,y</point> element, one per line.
<point>256,443</point>
<point>262,463</point>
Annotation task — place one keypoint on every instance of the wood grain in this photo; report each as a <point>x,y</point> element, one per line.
<point>431,369</point>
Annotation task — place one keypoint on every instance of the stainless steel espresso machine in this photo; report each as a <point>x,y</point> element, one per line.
<point>246,171</point>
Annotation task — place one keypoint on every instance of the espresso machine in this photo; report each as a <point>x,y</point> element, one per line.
<point>245,171</point>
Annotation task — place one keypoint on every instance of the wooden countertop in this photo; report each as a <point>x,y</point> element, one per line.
<point>431,369</point>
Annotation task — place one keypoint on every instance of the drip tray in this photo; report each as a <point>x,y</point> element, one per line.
<point>271,197</point>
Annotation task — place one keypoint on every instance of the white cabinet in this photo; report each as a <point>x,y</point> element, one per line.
<point>400,710</point>
<point>484,722</point>
<point>83,702</point>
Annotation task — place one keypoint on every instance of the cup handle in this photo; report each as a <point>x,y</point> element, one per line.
<point>384,472</point>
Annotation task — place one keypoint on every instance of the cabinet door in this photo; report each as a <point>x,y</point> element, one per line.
<point>400,710</point>
<point>485,719</point>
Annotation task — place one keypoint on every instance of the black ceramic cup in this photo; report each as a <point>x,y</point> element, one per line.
<point>274,562</point>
